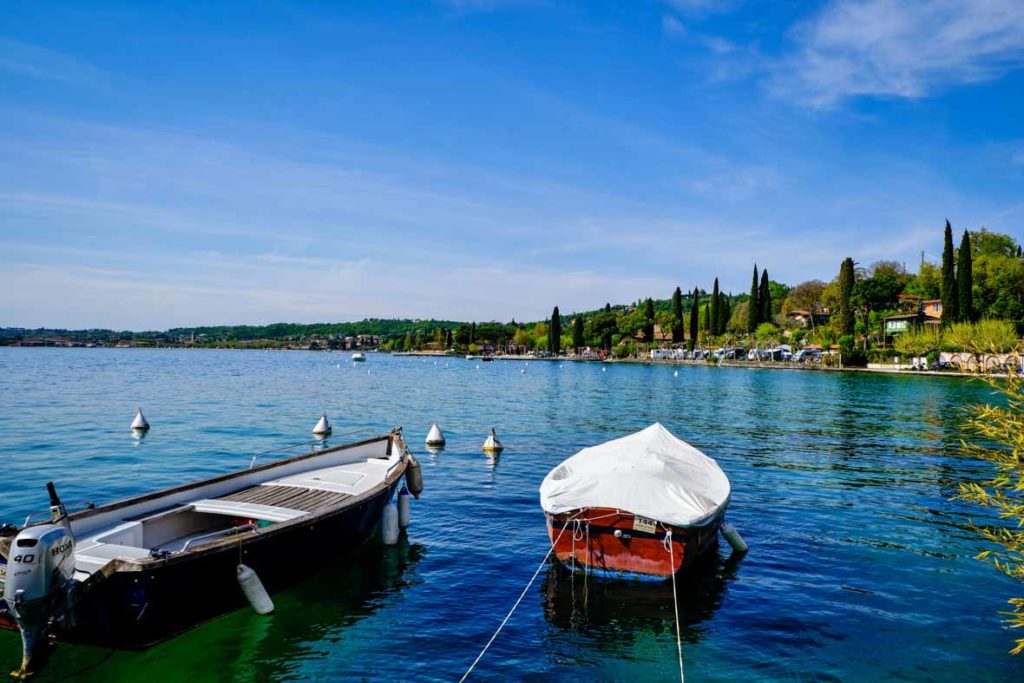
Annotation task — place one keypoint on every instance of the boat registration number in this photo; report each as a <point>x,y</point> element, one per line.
<point>645,525</point>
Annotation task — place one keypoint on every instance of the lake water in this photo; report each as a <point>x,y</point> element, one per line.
<point>859,567</point>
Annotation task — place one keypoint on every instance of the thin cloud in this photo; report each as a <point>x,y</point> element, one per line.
<point>45,64</point>
<point>900,48</point>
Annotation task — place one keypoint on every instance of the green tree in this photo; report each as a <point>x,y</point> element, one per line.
<point>754,309</point>
<point>998,433</point>
<point>555,333</point>
<point>950,306</point>
<point>706,323</point>
<point>605,327</point>
<point>846,282</point>
<point>764,298</point>
<point>724,312</point>
<point>716,301</point>
<point>472,333</point>
<point>694,312</point>
<point>677,316</point>
<point>648,321</point>
<point>577,333</point>
<point>522,338</point>
<point>965,280</point>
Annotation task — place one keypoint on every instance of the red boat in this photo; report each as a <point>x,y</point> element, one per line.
<point>645,507</point>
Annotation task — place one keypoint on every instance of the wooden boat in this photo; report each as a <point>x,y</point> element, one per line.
<point>132,573</point>
<point>644,507</point>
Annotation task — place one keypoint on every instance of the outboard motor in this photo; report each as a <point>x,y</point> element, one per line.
<point>40,566</point>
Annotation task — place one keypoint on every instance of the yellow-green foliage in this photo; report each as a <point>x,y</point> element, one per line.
<point>997,436</point>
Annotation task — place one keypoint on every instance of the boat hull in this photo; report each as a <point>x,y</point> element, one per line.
<point>136,609</point>
<point>619,545</point>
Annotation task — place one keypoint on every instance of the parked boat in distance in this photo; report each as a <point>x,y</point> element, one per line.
<point>358,357</point>
<point>132,573</point>
<point>644,506</point>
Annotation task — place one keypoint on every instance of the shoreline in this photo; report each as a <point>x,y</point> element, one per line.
<point>747,365</point>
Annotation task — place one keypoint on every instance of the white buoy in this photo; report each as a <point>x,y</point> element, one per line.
<point>139,423</point>
<point>435,437</point>
<point>323,427</point>
<point>734,538</point>
<point>604,369</point>
<point>253,590</point>
<point>675,374</point>
<point>389,525</point>
<point>404,508</point>
<point>492,445</point>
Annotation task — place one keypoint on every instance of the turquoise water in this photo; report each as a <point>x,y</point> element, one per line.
<point>860,567</point>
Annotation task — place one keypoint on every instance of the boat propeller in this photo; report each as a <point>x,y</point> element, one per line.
<point>38,591</point>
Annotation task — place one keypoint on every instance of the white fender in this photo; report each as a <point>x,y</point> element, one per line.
<point>253,590</point>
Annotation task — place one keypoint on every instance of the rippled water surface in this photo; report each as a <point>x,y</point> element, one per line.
<point>859,569</point>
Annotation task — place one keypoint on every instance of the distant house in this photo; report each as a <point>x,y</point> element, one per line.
<point>918,314</point>
<point>661,336</point>
<point>805,318</point>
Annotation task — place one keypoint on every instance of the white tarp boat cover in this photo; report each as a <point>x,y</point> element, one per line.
<point>651,474</point>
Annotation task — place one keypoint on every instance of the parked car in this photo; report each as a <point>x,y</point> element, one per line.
<point>944,365</point>
<point>808,356</point>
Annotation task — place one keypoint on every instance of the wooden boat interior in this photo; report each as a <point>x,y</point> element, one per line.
<point>186,518</point>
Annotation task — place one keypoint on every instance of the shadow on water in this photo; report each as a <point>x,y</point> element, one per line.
<point>243,645</point>
<point>615,612</point>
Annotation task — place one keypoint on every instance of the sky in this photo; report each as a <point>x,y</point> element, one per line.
<point>170,163</point>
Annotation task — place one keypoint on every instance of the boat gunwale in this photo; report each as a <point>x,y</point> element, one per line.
<point>217,478</point>
<point>242,540</point>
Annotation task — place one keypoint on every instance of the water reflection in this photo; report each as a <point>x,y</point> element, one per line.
<point>617,611</point>
<point>253,647</point>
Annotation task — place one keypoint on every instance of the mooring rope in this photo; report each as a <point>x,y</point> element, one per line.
<point>675,602</point>
<point>509,615</point>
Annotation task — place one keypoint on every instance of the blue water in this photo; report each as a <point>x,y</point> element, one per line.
<point>860,566</point>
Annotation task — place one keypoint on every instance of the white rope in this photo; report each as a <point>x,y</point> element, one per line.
<point>509,615</point>
<point>675,602</point>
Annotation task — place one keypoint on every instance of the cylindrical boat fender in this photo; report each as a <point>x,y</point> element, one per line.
<point>404,512</point>
<point>414,477</point>
<point>734,538</point>
<point>253,590</point>
<point>389,525</point>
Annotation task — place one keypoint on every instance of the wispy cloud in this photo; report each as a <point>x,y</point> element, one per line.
<point>672,27</point>
<point>702,7</point>
<point>42,63</point>
<point>900,48</point>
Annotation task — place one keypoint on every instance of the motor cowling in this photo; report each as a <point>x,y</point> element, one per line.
<point>40,562</point>
<point>38,590</point>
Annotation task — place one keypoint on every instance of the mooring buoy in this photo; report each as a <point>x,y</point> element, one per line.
<point>323,426</point>
<point>139,424</point>
<point>435,437</point>
<point>492,445</point>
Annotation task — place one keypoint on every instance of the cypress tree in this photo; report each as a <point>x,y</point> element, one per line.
<point>965,279</point>
<point>649,320</point>
<point>713,315</point>
<point>950,306</point>
<point>694,312</point>
<point>724,313</point>
<point>754,308</point>
<point>845,296</point>
<point>677,316</point>
<point>609,323</point>
<point>764,298</point>
<point>577,333</point>
<point>707,318</point>
<point>472,333</point>
<point>555,333</point>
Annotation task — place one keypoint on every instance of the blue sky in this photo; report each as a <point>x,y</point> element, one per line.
<point>179,163</point>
